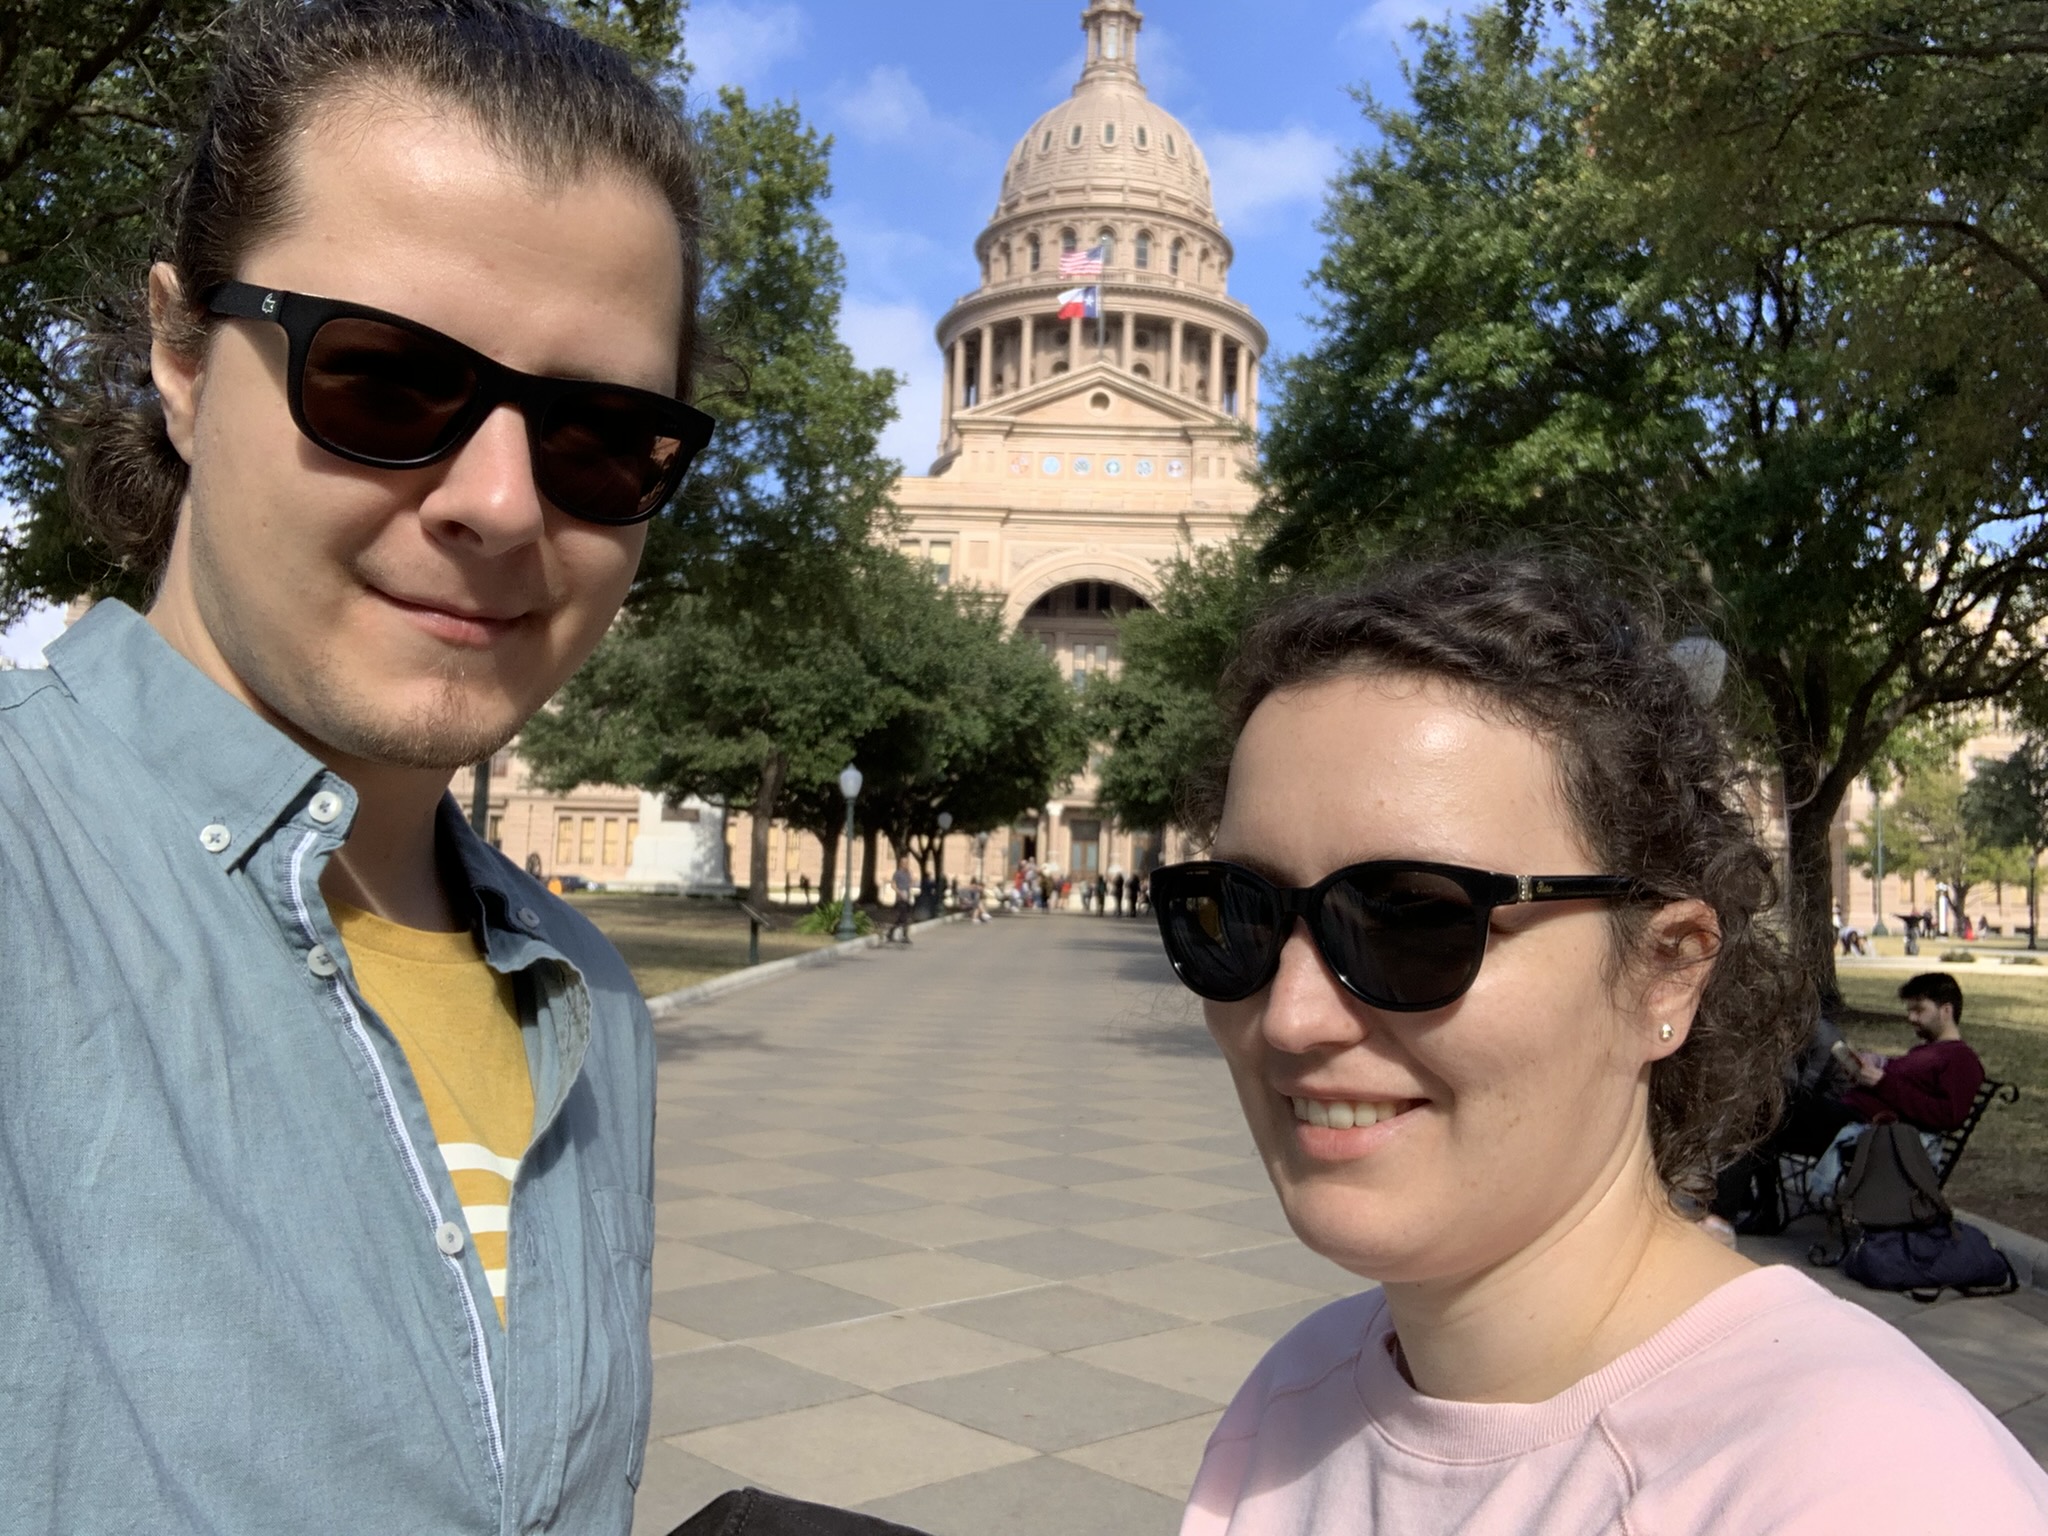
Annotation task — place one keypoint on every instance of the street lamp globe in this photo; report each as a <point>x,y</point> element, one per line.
<point>945,821</point>
<point>849,786</point>
<point>849,781</point>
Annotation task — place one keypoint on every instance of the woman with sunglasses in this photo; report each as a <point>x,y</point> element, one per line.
<point>1483,942</point>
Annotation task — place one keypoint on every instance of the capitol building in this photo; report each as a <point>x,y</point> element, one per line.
<point>1074,459</point>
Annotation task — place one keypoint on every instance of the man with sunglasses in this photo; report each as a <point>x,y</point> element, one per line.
<point>326,1133</point>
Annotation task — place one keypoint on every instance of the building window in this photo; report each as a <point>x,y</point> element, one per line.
<point>501,762</point>
<point>1172,145</point>
<point>1141,371</point>
<point>1069,241</point>
<point>1107,240</point>
<point>1144,138</point>
<point>613,840</point>
<point>496,835</point>
<point>587,842</point>
<point>913,549</point>
<point>565,841</point>
<point>1031,252</point>
<point>1109,133</point>
<point>1112,41</point>
<point>1009,267</point>
<point>632,831</point>
<point>1141,250</point>
<point>1173,259</point>
<point>942,561</point>
<point>1074,137</point>
<point>1045,143</point>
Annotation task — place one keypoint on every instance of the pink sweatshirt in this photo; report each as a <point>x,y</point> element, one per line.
<point>1771,1406</point>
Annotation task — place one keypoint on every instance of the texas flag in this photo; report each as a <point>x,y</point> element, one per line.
<point>1080,303</point>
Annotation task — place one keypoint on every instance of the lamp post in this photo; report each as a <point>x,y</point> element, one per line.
<point>945,826</point>
<point>1878,929</point>
<point>849,786</point>
<point>980,854</point>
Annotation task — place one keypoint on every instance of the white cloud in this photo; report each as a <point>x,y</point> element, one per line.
<point>23,644</point>
<point>733,44</point>
<point>889,108</point>
<point>1255,173</point>
<point>898,336</point>
<point>887,259</point>
<point>1393,18</point>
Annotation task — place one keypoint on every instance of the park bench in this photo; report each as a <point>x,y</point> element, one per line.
<point>1795,1170</point>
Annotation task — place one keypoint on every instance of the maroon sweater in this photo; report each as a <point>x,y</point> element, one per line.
<point>1931,1086</point>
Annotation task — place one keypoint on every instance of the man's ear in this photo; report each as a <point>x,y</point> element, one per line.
<point>1682,942</point>
<point>176,361</point>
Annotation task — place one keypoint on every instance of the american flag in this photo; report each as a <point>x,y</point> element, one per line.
<point>1086,263</point>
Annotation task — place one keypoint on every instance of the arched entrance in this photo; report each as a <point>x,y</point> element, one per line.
<point>1076,624</point>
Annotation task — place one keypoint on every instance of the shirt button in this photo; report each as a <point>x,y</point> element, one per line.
<point>448,1238</point>
<point>320,962</point>
<point>214,837</point>
<point>325,807</point>
<point>528,918</point>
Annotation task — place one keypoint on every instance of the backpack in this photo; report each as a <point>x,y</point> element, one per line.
<point>1901,1233</point>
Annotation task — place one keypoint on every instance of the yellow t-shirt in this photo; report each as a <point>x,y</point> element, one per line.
<point>458,1023</point>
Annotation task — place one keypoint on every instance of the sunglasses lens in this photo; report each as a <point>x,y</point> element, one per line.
<point>1409,939</point>
<point>383,393</point>
<point>1221,928</point>
<point>608,456</point>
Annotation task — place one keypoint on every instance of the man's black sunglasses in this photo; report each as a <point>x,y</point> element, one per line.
<point>1405,936</point>
<point>382,390</point>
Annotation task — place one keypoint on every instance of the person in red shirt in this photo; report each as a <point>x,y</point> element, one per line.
<point>1932,1086</point>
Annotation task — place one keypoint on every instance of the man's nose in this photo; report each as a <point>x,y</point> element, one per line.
<point>486,498</point>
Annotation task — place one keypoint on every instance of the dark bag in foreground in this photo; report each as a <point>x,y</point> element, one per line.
<point>1890,1185</point>
<point>1926,1261</point>
<point>750,1512</point>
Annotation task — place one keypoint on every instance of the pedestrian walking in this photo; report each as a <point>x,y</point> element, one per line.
<point>290,1031</point>
<point>900,883</point>
<point>1101,895</point>
<point>1116,885</point>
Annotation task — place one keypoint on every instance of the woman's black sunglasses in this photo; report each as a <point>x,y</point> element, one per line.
<point>382,390</point>
<point>1403,935</point>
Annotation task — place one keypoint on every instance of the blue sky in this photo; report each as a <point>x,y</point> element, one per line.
<point>925,98</point>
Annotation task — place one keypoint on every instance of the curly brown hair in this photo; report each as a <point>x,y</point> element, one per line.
<point>554,101</point>
<point>1647,769</point>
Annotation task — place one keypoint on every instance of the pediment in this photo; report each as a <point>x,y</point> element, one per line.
<point>1075,400</point>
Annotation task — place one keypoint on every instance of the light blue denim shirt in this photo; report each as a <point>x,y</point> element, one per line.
<point>235,1293</point>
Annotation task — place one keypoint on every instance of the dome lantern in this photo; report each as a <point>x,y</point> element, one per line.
<point>1112,28</point>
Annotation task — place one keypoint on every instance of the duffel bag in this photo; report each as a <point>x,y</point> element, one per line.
<point>1925,1261</point>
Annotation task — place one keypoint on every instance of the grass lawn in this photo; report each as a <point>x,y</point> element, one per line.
<point>2004,1171</point>
<point>678,941</point>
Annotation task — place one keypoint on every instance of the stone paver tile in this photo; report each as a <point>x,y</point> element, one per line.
<point>956,1186</point>
<point>1163,1459</point>
<point>1205,1360</point>
<point>674,1485</point>
<point>742,1309</point>
<point>782,1118</point>
<point>1169,1130</point>
<point>2028,1301</point>
<point>923,1277</point>
<point>862,1162</point>
<point>894,1349</point>
<point>993,1100</point>
<point>963,1122</point>
<point>881,1131</point>
<point>667,1338</point>
<point>870,1095</point>
<point>672,1151</point>
<point>838,1197</point>
<point>677,1264</point>
<point>966,1150</point>
<point>2029,1426</point>
<point>1046,1496</point>
<point>1200,1292</point>
<point>850,1452</point>
<point>939,1226</point>
<point>1067,1140</point>
<point>701,1215</point>
<point>1168,1191</point>
<point>1065,1171</point>
<point>1274,1323</point>
<point>1233,1143</point>
<point>1167,1157</point>
<point>1064,1208</point>
<point>1246,1175</point>
<point>777,1144</point>
<point>1184,1234</point>
<point>803,1244</point>
<point>1051,1403</point>
<point>731,1383</point>
<point>745,1177</point>
<point>1059,1254</point>
<point>2000,1355</point>
<point>1294,1264</point>
<point>1263,1213</point>
<point>1058,1317</point>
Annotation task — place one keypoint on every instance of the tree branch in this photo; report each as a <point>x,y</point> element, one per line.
<point>33,138</point>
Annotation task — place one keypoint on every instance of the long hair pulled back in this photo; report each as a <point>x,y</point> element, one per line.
<point>1647,768</point>
<point>554,102</point>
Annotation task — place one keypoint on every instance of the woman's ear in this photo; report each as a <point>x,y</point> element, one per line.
<point>175,362</point>
<point>1680,947</point>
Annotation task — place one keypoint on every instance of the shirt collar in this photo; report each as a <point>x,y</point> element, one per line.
<point>224,762</point>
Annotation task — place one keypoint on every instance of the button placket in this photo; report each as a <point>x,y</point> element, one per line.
<point>214,837</point>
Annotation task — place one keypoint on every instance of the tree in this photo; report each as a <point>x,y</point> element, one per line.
<point>2007,804</point>
<point>1513,346</point>
<point>1929,811</point>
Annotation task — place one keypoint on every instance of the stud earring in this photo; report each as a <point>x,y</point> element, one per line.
<point>1664,1031</point>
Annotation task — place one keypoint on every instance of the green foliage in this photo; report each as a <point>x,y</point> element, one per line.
<point>2006,805</point>
<point>824,918</point>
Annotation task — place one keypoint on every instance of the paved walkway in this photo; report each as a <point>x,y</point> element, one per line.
<point>973,1237</point>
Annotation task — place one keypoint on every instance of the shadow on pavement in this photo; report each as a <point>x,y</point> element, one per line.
<point>686,1042</point>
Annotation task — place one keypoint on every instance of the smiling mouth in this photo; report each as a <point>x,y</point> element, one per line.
<point>1348,1114</point>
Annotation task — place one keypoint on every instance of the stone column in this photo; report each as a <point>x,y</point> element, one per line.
<point>1027,366</point>
<point>1244,382</point>
<point>1173,355</point>
<point>950,392</point>
<point>1074,343</point>
<point>987,335</point>
<point>1252,415</point>
<point>1215,367</point>
<point>1124,357</point>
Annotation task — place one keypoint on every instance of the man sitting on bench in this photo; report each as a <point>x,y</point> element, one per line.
<point>1930,1088</point>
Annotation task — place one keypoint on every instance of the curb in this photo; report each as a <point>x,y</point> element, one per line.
<point>2028,1254</point>
<point>773,970</point>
